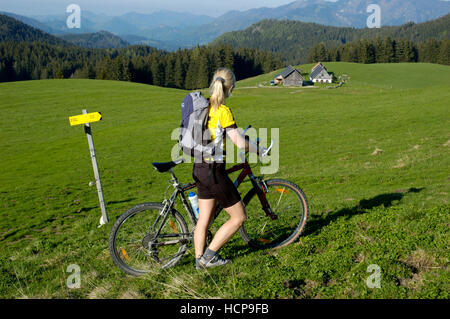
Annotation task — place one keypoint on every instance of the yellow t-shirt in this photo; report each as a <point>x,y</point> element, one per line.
<point>219,120</point>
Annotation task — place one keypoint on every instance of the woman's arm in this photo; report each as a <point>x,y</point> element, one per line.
<point>243,143</point>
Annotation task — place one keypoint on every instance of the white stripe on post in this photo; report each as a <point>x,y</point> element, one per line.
<point>87,130</point>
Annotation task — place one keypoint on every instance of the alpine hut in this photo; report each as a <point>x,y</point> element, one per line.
<point>319,74</point>
<point>289,77</point>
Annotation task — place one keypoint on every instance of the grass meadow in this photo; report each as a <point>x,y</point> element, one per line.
<point>372,157</point>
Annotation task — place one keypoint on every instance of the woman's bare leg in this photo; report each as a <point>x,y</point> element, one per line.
<point>237,218</point>
<point>206,211</point>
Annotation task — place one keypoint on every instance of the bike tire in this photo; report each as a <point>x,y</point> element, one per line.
<point>277,234</point>
<point>147,211</point>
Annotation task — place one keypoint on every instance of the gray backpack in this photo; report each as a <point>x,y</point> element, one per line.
<point>195,139</point>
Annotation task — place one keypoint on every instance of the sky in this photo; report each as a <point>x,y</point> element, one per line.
<point>117,7</point>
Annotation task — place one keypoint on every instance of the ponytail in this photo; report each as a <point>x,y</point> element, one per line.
<point>220,88</point>
<point>217,93</point>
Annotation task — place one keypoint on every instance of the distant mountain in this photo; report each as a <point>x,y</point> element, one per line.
<point>132,38</point>
<point>58,23</point>
<point>171,30</point>
<point>118,25</point>
<point>129,23</point>
<point>165,18</point>
<point>294,39</point>
<point>141,40</point>
<point>353,13</point>
<point>350,13</point>
<point>97,40</point>
<point>17,31</point>
<point>30,21</point>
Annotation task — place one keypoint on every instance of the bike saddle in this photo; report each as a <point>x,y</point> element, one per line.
<point>165,167</point>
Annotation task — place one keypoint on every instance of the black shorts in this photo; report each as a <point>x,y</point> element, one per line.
<point>213,183</point>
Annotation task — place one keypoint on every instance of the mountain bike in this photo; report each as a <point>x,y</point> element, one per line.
<point>153,235</point>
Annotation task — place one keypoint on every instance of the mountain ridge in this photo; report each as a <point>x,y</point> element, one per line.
<point>294,39</point>
<point>15,30</point>
<point>97,40</point>
<point>183,29</point>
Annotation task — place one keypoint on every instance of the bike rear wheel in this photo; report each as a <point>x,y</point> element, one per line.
<point>290,206</point>
<point>136,249</point>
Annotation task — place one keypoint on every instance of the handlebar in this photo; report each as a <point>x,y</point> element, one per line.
<point>242,154</point>
<point>270,146</point>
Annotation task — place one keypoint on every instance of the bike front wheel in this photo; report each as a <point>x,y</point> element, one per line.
<point>137,248</point>
<point>290,209</point>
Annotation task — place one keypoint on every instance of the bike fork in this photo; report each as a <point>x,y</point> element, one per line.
<point>261,190</point>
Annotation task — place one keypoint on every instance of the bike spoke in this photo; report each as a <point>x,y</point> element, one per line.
<point>279,200</point>
<point>262,229</point>
<point>138,250</point>
<point>285,202</point>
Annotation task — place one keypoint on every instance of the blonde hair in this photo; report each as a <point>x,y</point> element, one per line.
<point>220,87</point>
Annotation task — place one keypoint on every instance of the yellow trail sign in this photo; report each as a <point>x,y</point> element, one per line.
<point>85,118</point>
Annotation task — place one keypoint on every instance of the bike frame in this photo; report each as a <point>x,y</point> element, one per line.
<point>246,171</point>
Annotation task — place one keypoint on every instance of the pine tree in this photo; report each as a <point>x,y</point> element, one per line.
<point>345,53</point>
<point>444,54</point>
<point>228,59</point>
<point>408,52</point>
<point>7,72</point>
<point>335,54</point>
<point>430,51</point>
<point>366,52</point>
<point>44,74</point>
<point>170,71</point>
<point>379,50</point>
<point>90,72</point>
<point>103,69</point>
<point>389,50</point>
<point>59,74</point>
<point>217,58</point>
<point>318,53</point>
<point>179,72</point>
<point>353,53</point>
<point>191,74</point>
<point>3,73</point>
<point>322,53</point>
<point>203,71</point>
<point>401,51</point>
<point>158,70</point>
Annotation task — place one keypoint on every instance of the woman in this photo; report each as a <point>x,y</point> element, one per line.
<point>213,183</point>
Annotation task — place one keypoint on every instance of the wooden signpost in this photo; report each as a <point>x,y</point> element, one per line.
<point>87,118</point>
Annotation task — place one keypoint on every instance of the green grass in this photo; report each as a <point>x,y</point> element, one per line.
<point>390,209</point>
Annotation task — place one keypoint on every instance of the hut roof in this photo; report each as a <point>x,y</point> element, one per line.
<point>317,69</point>
<point>317,64</point>
<point>286,72</point>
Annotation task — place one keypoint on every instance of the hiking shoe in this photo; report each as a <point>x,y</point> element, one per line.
<point>215,261</point>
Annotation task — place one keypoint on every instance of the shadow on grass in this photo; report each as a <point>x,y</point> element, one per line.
<point>386,200</point>
<point>236,246</point>
<point>83,209</point>
<point>86,209</point>
<point>120,201</point>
